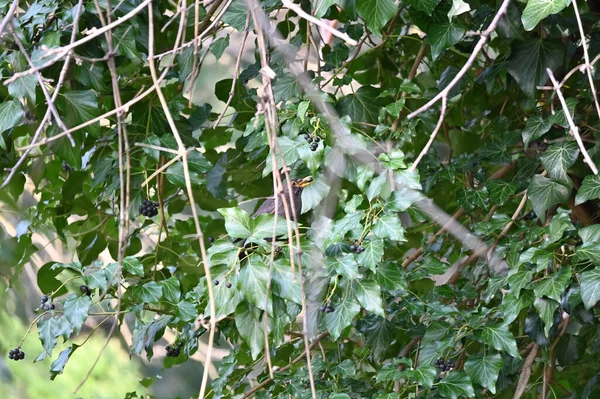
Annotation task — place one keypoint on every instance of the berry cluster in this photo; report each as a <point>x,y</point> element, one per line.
<point>357,248</point>
<point>45,305</point>
<point>86,290</point>
<point>149,208</point>
<point>174,350</point>
<point>327,308</point>
<point>16,354</point>
<point>444,365</point>
<point>313,141</point>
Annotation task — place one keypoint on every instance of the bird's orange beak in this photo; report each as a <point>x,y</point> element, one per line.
<point>307,181</point>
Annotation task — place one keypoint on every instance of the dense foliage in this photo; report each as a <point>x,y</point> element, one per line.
<point>505,161</point>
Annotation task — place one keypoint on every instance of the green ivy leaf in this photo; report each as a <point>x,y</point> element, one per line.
<point>558,158</point>
<point>444,34</point>
<point>553,286</point>
<point>11,113</point>
<point>57,367</point>
<point>236,15</point>
<point>24,87</point>
<point>499,337</point>
<point>186,311</point>
<point>314,194</point>
<point>391,277</point>
<point>588,251</point>
<point>76,309</point>
<point>368,295</point>
<point>546,309</point>
<point>237,222</point>
<point>283,282</point>
<point>364,104</point>
<point>341,317</point>
<point>150,292</point>
<point>456,384</point>
<point>529,59</point>
<point>484,370</point>
<point>378,332</point>
<point>535,128</point>
<point>424,376</point>
<point>219,46</point>
<point>512,305</point>
<point>376,13</point>
<point>427,6</point>
<point>252,282</point>
<point>589,190</point>
<point>372,254</point>
<point>536,10</point>
<point>226,300</point>
<point>544,193</point>
<point>250,328</point>
<point>133,266</point>
<point>590,287</point>
<point>78,107</point>
<point>47,330</point>
<point>346,369</point>
<point>590,234</point>
<point>389,227</point>
<point>171,289</point>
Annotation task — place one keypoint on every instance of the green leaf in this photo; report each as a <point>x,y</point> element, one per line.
<point>363,105</point>
<point>535,128</point>
<point>226,300</point>
<point>498,337</point>
<point>444,34</point>
<point>341,318</point>
<point>590,287</point>
<point>484,370</point>
<point>553,286</point>
<point>376,13</point>
<point>186,311</point>
<point>314,194</point>
<point>171,289</point>
<point>150,292</point>
<point>219,46</point>
<point>78,107</point>
<point>500,191</point>
<point>252,282</point>
<point>47,330</point>
<point>546,309</point>
<point>424,376</point>
<point>589,190</point>
<point>588,251</point>
<point>536,10</point>
<point>286,88</point>
<point>391,277</point>
<point>346,369</point>
<point>368,295</point>
<point>376,186</point>
<point>378,332</point>
<point>263,227</point>
<point>590,234</point>
<point>427,6</point>
<point>529,59</point>
<point>558,158</point>
<point>455,385</point>
<point>76,309</point>
<point>512,305</point>
<point>133,266</point>
<point>236,15</point>
<point>544,193</point>
<point>283,282</point>
<point>237,222</point>
<point>57,367</point>
<point>250,328</point>
<point>289,152</point>
<point>24,87</point>
<point>11,113</point>
<point>323,6</point>
<point>345,266</point>
<point>372,254</point>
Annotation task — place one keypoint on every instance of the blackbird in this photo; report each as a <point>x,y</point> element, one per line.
<point>297,186</point>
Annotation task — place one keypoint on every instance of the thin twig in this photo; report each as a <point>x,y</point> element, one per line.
<point>525,372</point>
<point>574,129</point>
<point>9,15</point>
<point>413,167</point>
<point>301,13</point>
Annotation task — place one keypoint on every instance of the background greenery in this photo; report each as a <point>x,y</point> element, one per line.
<point>517,315</point>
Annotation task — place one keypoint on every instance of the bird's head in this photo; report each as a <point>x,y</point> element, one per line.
<point>302,183</point>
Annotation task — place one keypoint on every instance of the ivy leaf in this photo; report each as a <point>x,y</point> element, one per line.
<point>47,330</point>
<point>590,234</point>
<point>536,10</point>
<point>456,384</point>
<point>427,6</point>
<point>443,35</point>
<point>589,190</point>
<point>341,317</point>
<point>283,283</point>
<point>346,369</point>
<point>226,300</point>
<point>78,107</point>
<point>553,286</point>
<point>133,266</point>
<point>11,113</point>
<point>588,251</point>
<point>171,289</point>
<point>289,153</point>
<point>512,305</point>
<point>219,46</point>
<point>546,309</point>
<point>314,194</point>
<point>252,282</point>
<point>529,59</point>
<point>346,266</point>
<point>250,328</point>
<point>389,227</point>
<point>24,87</point>
<point>377,185</point>
<point>558,158</point>
<point>363,105</point>
<point>590,287</point>
<point>544,193</point>
<point>263,227</point>
<point>535,128</point>
<point>424,376</point>
<point>236,15</point>
<point>57,367</point>
<point>150,292</point>
<point>368,295</point>
<point>76,309</point>
<point>376,13</point>
<point>237,222</point>
<point>500,191</point>
<point>484,370</point>
<point>378,332</point>
<point>372,254</point>
<point>391,277</point>
<point>499,337</point>
<point>186,311</point>
<point>286,88</point>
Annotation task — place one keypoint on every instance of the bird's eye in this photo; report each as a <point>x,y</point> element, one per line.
<point>294,183</point>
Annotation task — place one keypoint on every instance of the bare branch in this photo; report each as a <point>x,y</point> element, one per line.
<point>9,15</point>
<point>413,167</point>
<point>574,129</point>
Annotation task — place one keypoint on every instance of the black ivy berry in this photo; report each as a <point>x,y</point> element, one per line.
<point>66,167</point>
<point>353,248</point>
<point>173,350</point>
<point>228,285</point>
<point>44,299</point>
<point>444,365</point>
<point>16,354</point>
<point>360,249</point>
<point>211,240</point>
<point>149,208</point>
<point>326,308</point>
<point>216,282</point>
<point>317,139</point>
<point>314,147</point>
